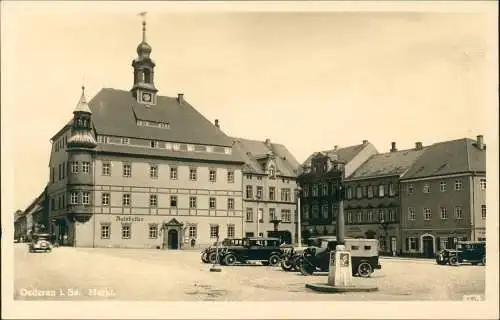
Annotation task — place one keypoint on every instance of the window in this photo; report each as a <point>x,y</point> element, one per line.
<point>272,193</point>
<point>153,200</point>
<point>230,177</point>
<point>411,214</point>
<point>359,192</point>
<point>286,194</point>
<point>74,167</point>
<point>193,174</point>
<point>63,170</point>
<point>230,204</point>
<point>392,190</point>
<point>381,191</point>
<point>105,199</point>
<point>173,173</point>
<point>349,193</point>
<point>369,192</point>
<point>259,177</point>
<point>442,186</point>
<point>359,216</point>
<point>444,213</point>
<point>459,213</point>
<point>315,212</point>
<point>126,200</point>
<point>483,211</point>
<point>392,216</point>
<point>214,231</point>
<point>74,198</point>
<point>249,215</point>
<point>85,167</point>
<point>260,215</point>
<point>153,144</point>
<point>153,231</point>
<point>125,141</point>
<point>324,211</point>
<point>314,190</point>
<point>427,188</point>
<point>410,188</point>
<point>212,203</point>
<point>354,247</point>
<point>248,176</point>
<point>482,183</point>
<point>212,175</point>
<point>427,214</point>
<point>127,170</point>
<point>412,243</point>
<point>249,192</point>
<point>192,231</point>
<point>443,243</point>
<point>286,216</point>
<point>272,172</point>
<point>230,231</point>
<point>192,202</point>
<point>259,192</point>
<point>106,169</point>
<point>381,215</point>
<point>458,185</point>
<point>125,231</point>
<point>370,216</point>
<point>272,214</point>
<point>349,217</point>
<point>305,212</point>
<point>324,189</point>
<point>105,231</point>
<point>153,171</point>
<point>173,201</point>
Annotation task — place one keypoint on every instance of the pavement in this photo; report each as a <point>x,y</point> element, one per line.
<point>148,274</point>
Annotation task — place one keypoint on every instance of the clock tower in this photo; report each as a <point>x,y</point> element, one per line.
<point>144,89</point>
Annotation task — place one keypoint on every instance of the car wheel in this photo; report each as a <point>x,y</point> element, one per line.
<point>204,257</point>
<point>274,260</point>
<point>212,257</point>
<point>230,259</point>
<point>297,263</point>
<point>483,261</point>
<point>286,265</point>
<point>365,269</point>
<point>306,269</point>
<point>453,261</point>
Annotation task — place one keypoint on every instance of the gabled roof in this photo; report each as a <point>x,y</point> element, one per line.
<point>342,154</point>
<point>255,153</point>
<point>387,164</point>
<point>115,113</point>
<point>449,157</point>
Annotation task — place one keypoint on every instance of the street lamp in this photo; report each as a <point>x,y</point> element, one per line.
<point>385,226</point>
<point>299,225</point>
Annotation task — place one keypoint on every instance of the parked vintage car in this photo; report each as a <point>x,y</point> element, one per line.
<point>209,255</point>
<point>40,243</point>
<point>266,250</point>
<point>364,256</point>
<point>292,255</point>
<point>473,252</point>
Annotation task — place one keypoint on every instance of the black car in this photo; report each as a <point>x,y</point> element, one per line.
<point>292,256</point>
<point>473,252</point>
<point>209,255</point>
<point>364,256</point>
<point>266,250</point>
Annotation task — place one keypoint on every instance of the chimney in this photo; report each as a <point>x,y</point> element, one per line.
<point>393,147</point>
<point>480,142</point>
<point>180,98</point>
<point>418,145</point>
<point>217,123</point>
<point>335,147</point>
<point>365,141</point>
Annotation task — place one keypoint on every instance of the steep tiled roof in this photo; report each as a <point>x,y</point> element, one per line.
<point>115,113</point>
<point>448,157</point>
<point>343,154</point>
<point>385,164</point>
<point>254,152</point>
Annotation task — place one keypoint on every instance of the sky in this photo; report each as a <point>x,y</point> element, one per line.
<point>308,80</point>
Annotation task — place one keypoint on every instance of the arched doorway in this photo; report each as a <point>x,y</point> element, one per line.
<point>173,239</point>
<point>428,246</point>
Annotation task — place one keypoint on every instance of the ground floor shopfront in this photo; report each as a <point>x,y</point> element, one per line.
<point>428,242</point>
<point>147,231</point>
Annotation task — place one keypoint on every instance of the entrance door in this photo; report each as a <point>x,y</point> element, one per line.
<point>173,239</point>
<point>428,246</point>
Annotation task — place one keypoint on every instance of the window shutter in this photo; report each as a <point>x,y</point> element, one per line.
<point>417,243</point>
<point>407,244</point>
<point>438,243</point>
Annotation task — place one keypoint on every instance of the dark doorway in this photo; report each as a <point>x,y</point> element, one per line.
<point>428,246</point>
<point>173,239</point>
<point>283,235</point>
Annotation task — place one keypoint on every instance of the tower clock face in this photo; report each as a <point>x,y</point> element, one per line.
<point>146,97</point>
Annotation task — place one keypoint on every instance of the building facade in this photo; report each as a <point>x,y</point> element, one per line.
<point>319,180</point>
<point>269,189</point>
<point>443,197</point>
<point>372,204</point>
<point>139,170</point>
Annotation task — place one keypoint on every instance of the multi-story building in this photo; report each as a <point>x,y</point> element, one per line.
<point>269,188</point>
<point>372,201</point>
<point>33,219</point>
<point>443,196</point>
<point>137,169</point>
<point>319,180</point>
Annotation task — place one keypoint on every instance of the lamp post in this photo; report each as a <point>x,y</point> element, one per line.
<point>385,226</point>
<point>299,225</point>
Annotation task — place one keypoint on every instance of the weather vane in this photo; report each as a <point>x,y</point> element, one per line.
<point>143,15</point>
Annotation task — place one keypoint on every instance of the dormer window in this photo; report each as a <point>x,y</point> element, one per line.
<point>272,172</point>
<point>154,144</point>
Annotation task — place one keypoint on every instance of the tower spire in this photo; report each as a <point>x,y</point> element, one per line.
<point>143,15</point>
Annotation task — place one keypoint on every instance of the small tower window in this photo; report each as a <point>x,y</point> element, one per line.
<point>147,76</point>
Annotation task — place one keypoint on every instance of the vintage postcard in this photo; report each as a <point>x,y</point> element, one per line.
<point>250,159</point>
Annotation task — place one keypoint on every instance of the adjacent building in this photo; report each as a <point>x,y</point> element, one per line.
<point>319,180</point>
<point>372,205</point>
<point>269,188</point>
<point>138,169</point>
<point>443,196</point>
<point>33,219</point>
